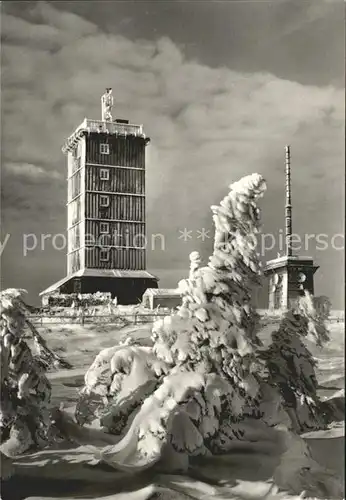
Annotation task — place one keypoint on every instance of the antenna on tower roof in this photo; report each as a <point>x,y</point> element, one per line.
<point>288,206</point>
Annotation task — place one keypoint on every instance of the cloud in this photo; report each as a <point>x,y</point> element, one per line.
<point>209,126</point>
<point>46,29</point>
<point>306,13</point>
<point>29,171</point>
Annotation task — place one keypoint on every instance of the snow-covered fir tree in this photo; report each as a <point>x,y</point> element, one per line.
<point>291,366</point>
<point>202,366</point>
<point>25,389</point>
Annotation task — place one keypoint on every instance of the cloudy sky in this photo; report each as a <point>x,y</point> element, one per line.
<point>220,87</point>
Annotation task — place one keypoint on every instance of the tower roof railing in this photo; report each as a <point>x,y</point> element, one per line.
<point>113,127</point>
<point>102,127</point>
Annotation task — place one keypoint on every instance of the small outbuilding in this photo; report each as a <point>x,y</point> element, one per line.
<point>161,297</point>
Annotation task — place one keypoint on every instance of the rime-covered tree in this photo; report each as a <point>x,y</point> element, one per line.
<point>25,389</point>
<point>290,364</point>
<point>200,375</point>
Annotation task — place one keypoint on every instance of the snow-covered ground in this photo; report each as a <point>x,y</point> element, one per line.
<point>73,472</point>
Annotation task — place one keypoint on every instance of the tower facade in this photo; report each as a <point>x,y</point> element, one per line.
<point>106,220</point>
<point>289,275</point>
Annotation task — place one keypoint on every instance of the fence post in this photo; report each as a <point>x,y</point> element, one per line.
<point>136,318</point>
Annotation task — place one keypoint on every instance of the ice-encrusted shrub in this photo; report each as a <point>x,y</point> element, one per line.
<point>291,366</point>
<point>25,389</point>
<point>317,311</point>
<point>199,382</point>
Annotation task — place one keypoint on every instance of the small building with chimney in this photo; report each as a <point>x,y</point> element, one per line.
<point>290,275</point>
<point>106,220</point>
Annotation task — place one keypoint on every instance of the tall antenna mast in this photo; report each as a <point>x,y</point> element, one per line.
<point>288,206</point>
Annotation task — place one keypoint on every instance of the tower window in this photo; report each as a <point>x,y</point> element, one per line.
<point>104,149</point>
<point>104,174</point>
<point>104,255</point>
<point>104,227</point>
<point>104,200</point>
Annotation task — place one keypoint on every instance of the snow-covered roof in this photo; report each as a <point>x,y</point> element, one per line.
<point>100,273</point>
<point>53,288</point>
<point>163,292</point>
<point>115,273</point>
<point>98,126</point>
<point>290,258</point>
<point>289,261</point>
